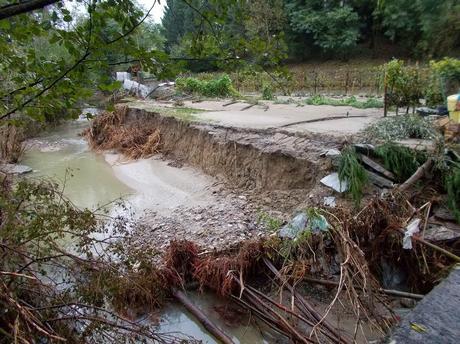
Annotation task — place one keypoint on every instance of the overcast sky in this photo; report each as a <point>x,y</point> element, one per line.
<point>157,12</point>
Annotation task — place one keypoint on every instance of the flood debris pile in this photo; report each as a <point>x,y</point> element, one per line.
<point>113,131</point>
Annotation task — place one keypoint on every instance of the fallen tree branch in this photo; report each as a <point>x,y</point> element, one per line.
<point>310,310</point>
<point>386,291</point>
<point>416,176</point>
<point>14,9</point>
<point>434,247</point>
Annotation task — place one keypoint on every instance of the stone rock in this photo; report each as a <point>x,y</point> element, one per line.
<point>440,233</point>
<point>15,169</point>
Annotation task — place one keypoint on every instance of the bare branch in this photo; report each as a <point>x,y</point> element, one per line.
<point>11,10</point>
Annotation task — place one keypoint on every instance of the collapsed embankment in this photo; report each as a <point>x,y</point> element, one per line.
<point>251,159</point>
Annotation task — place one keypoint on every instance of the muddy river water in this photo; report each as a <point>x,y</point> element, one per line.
<point>93,180</point>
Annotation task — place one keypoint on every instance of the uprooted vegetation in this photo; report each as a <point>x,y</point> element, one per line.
<point>111,131</point>
<point>352,256</point>
<point>263,277</point>
<point>401,127</point>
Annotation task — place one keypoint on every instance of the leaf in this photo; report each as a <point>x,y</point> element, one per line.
<point>417,327</point>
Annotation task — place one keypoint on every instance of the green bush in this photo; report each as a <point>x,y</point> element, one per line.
<point>218,87</point>
<point>446,73</point>
<point>405,85</point>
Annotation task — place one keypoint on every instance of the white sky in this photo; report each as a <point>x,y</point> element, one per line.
<point>157,12</point>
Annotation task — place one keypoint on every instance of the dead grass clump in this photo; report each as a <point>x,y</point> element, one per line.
<point>134,139</point>
<point>181,258</point>
<point>11,143</point>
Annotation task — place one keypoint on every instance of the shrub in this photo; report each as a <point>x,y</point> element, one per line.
<point>447,72</point>
<point>404,83</point>
<point>218,87</point>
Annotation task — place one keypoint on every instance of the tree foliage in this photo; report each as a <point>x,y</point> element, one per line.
<point>333,25</point>
<point>52,58</point>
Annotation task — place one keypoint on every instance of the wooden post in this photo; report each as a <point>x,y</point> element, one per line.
<point>385,98</point>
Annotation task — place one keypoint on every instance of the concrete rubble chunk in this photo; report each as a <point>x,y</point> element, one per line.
<point>331,153</point>
<point>15,169</point>
<point>332,181</point>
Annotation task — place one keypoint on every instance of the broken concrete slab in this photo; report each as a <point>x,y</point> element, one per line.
<point>418,144</point>
<point>440,233</point>
<point>435,318</point>
<point>15,169</point>
<point>380,181</point>
<point>376,167</point>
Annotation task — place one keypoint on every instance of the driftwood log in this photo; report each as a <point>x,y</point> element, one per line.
<point>202,318</point>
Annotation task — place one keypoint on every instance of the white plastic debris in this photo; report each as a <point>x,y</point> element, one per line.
<point>333,182</point>
<point>329,201</point>
<point>411,229</point>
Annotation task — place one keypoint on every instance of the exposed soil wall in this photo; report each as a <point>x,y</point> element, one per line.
<point>250,159</point>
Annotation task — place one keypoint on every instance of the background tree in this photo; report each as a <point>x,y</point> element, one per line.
<point>333,26</point>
